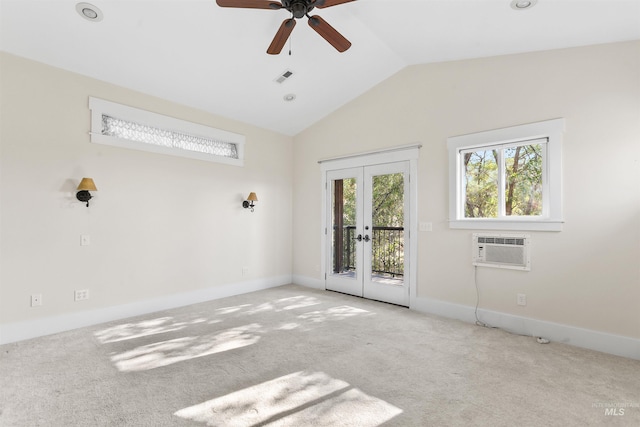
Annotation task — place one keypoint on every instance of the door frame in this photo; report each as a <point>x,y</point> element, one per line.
<point>345,284</point>
<point>391,155</point>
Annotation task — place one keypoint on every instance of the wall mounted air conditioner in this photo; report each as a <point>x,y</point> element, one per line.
<point>501,251</point>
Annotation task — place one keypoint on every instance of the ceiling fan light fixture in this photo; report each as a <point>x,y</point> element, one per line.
<point>523,4</point>
<point>89,12</point>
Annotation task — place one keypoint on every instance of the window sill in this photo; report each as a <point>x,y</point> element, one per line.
<point>514,225</point>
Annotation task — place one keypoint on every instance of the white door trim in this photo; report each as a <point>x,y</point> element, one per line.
<point>391,155</point>
<point>347,285</point>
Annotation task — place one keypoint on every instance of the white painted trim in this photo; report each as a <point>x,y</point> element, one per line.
<point>99,107</point>
<point>391,155</point>
<point>555,332</point>
<point>413,229</point>
<point>512,225</point>
<point>309,282</point>
<point>384,151</point>
<point>552,176</point>
<point>402,153</point>
<point>19,331</point>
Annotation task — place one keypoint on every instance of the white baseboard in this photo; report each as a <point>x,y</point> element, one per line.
<point>19,331</point>
<point>309,282</point>
<point>594,340</point>
<point>579,337</point>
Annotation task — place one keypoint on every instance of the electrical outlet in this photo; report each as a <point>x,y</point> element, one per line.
<point>81,295</point>
<point>36,300</point>
<point>85,240</point>
<point>522,299</point>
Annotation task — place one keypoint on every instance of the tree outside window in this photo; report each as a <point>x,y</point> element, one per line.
<point>503,181</point>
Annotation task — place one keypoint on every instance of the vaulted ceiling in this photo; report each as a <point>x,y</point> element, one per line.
<point>197,53</point>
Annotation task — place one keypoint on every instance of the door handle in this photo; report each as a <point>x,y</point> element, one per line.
<point>359,238</point>
<point>366,238</point>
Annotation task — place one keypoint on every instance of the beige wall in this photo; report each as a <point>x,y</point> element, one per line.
<point>159,225</point>
<point>588,275</point>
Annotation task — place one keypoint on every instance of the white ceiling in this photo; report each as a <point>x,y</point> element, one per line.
<point>196,53</point>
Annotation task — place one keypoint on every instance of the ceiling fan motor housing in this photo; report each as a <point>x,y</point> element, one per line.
<point>298,8</point>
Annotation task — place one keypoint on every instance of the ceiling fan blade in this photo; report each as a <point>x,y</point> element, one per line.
<point>329,33</point>
<point>328,3</point>
<point>250,4</point>
<point>281,36</point>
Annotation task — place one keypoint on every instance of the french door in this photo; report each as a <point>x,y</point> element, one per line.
<point>367,231</point>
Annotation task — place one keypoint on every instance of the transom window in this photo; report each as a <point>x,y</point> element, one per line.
<point>128,127</point>
<point>507,178</point>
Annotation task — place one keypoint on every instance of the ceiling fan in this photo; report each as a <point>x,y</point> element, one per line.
<point>298,9</point>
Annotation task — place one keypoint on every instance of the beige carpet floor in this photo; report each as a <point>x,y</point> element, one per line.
<point>292,356</point>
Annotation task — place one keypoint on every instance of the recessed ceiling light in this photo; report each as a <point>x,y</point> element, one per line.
<point>523,4</point>
<point>89,12</point>
<point>289,97</point>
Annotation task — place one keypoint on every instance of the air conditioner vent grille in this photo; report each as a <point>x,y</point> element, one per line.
<point>501,251</point>
<point>502,240</point>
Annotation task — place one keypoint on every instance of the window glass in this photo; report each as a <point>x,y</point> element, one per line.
<point>521,167</point>
<point>523,180</point>
<point>481,184</point>
<point>166,138</point>
<point>508,178</point>
<point>132,128</point>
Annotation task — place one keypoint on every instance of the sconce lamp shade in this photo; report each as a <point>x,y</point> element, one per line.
<point>87,184</point>
<point>252,197</point>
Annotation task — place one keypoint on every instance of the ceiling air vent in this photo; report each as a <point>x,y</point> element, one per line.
<point>284,76</point>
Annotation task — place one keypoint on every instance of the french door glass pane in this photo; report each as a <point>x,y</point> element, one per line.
<point>343,212</point>
<point>387,246</point>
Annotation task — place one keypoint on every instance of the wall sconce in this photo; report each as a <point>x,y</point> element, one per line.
<point>85,186</point>
<point>252,198</point>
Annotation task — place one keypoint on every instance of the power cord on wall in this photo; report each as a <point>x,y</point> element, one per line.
<point>540,340</point>
<point>475,281</point>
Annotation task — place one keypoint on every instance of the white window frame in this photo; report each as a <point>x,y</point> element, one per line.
<point>100,107</point>
<point>551,218</point>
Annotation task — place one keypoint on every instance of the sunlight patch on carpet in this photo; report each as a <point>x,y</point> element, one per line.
<point>180,349</point>
<point>333,313</point>
<point>298,302</point>
<point>192,345</point>
<point>288,327</point>
<point>298,399</point>
<point>283,304</point>
<point>140,329</point>
<point>234,309</point>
